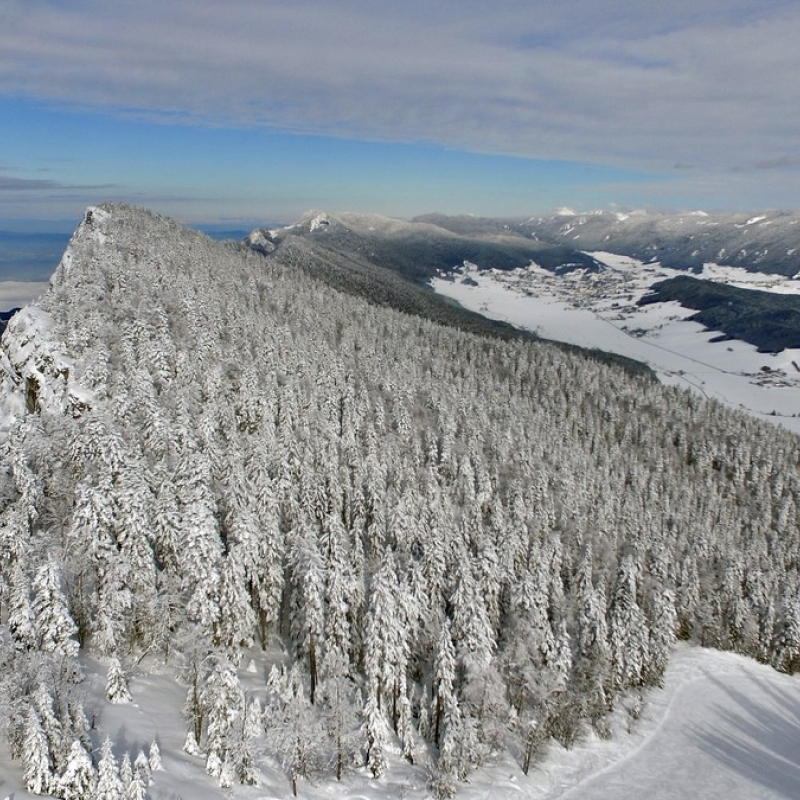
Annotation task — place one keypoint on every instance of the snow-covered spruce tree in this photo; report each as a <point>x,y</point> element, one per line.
<point>21,624</point>
<point>787,646</point>
<point>307,596</point>
<point>79,778</point>
<point>223,706</point>
<point>591,676</point>
<point>52,724</point>
<point>236,627</point>
<point>125,770</point>
<point>154,757</point>
<point>385,655</point>
<point>117,683</point>
<point>201,537</point>
<point>628,630</point>
<point>663,634</point>
<point>141,768</point>
<point>109,784</point>
<point>38,774</point>
<point>377,733</point>
<point>55,627</point>
<point>137,788</point>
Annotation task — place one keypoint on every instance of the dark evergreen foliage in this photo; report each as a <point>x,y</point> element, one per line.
<point>768,320</point>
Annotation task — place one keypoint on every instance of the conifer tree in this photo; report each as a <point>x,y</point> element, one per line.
<point>21,623</point>
<point>137,788</point>
<point>223,703</point>
<point>117,684</point>
<point>141,768</point>
<point>663,634</point>
<point>54,625</point>
<point>154,757</point>
<point>51,725</point>
<point>125,771</point>
<point>78,780</point>
<point>628,630</point>
<point>377,733</point>
<point>109,783</point>
<point>38,774</point>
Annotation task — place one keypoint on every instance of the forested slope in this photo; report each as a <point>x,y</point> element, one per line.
<point>454,545</point>
<point>768,320</point>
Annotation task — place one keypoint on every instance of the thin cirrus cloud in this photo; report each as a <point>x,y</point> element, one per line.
<point>638,86</point>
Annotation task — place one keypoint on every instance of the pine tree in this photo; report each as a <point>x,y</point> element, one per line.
<point>126,771</point>
<point>445,700</point>
<point>38,774</point>
<point>376,730</point>
<point>154,757</point>
<point>109,783</point>
<point>117,684</point>
<point>79,779</point>
<point>787,646</point>
<point>223,704</point>
<point>592,673</point>
<point>308,613</point>
<point>54,625</point>
<point>237,623</point>
<point>628,630</point>
<point>201,541</point>
<point>141,768</point>
<point>21,624</point>
<point>51,725</point>
<point>663,635</point>
<point>137,788</point>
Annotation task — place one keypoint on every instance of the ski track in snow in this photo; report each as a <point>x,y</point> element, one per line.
<point>734,735</point>
<point>722,726</point>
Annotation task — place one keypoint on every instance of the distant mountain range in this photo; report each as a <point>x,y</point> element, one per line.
<point>392,261</point>
<point>764,242</point>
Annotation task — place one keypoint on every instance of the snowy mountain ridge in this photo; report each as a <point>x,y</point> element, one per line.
<point>765,242</point>
<point>446,554</point>
<point>37,373</point>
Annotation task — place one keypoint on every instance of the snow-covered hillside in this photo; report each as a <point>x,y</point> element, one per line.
<point>722,725</point>
<point>599,310</point>
<point>447,555</point>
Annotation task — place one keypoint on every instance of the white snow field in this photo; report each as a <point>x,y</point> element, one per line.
<point>598,310</point>
<point>722,726</point>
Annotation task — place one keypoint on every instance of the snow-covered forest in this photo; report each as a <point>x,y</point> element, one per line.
<point>449,546</point>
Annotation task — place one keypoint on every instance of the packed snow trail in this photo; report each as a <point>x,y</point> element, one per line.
<point>724,726</point>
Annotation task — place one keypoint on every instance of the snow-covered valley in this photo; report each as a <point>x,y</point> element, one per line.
<point>599,310</point>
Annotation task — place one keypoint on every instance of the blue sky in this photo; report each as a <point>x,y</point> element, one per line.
<point>244,112</point>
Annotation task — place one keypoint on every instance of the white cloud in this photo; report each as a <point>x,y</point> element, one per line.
<point>14,294</point>
<point>642,85</point>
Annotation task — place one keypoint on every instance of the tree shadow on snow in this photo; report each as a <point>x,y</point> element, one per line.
<point>759,741</point>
